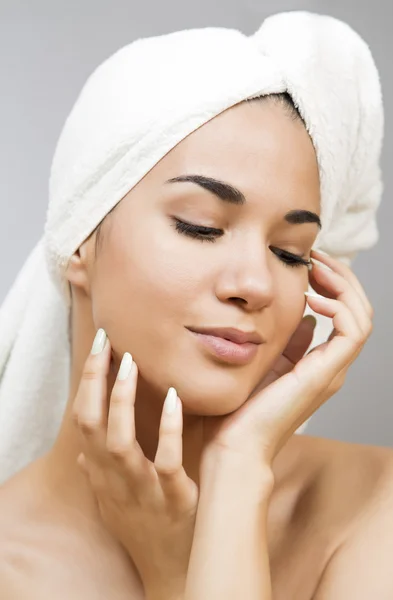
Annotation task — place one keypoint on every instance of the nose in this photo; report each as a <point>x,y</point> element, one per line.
<point>247,279</point>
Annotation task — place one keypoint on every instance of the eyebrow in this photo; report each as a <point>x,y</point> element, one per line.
<point>228,193</point>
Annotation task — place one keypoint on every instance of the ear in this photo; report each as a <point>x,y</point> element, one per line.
<point>78,268</point>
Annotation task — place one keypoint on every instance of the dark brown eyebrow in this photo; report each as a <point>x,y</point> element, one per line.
<point>228,193</point>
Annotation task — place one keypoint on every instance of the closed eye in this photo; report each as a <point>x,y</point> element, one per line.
<point>289,259</point>
<point>210,234</point>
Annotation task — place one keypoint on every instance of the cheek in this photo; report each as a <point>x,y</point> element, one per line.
<point>290,304</point>
<point>142,291</point>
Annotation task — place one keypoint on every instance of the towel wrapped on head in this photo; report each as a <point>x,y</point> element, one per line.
<point>133,109</point>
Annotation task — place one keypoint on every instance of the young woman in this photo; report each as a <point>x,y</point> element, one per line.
<point>200,273</point>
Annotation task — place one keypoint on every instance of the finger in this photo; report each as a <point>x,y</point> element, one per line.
<point>282,407</point>
<point>82,463</point>
<point>345,341</point>
<point>93,473</point>
<point>321,347</point>
<point>293,398</point>
<point>300,340</point>
<point>120,439</point>
<point>89,411</point>
<point>168,461</point>
<point>338,381</point>
<point>294,351</point>
<point>346,272</point>
<point>331,336</point>
<point>338,287</point>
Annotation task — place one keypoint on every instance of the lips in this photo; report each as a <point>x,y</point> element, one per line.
<point>229,333</point>
<point>227,350</point>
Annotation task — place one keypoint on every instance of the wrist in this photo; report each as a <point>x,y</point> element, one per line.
<point>223,470</point>
<point>229,557</point>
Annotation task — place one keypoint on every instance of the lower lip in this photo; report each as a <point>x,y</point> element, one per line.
<point>228,351</point>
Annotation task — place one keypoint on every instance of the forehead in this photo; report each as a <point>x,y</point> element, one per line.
<point>259,148</point>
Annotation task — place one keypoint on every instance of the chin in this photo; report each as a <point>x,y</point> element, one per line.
<point>212,398</point>
<point>205,389</point>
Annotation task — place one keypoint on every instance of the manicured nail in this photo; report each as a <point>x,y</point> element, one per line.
<point>125,366</point>
<point>320,264</point>
<point>320,251</point>
<point>312,295</point>
<point>310,319</point>
<point>99,342</point>
<point>170,401</point>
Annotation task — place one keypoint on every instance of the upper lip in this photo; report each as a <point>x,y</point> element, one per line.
<point>229,333</point>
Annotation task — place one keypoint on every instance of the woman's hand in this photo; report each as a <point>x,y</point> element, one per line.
<point>149,507</point>
<point>295,389</point>
<point>230,552</point>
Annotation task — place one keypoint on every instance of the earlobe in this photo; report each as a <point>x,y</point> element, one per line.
<point>77,270</point>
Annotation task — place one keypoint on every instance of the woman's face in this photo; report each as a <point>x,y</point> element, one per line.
<point>151,282</point>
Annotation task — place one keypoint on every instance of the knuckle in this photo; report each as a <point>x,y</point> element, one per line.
<point>89,374</point>
<point>357,340</point>
<point>346,272</point>
<point>344,268</point>
<point>75,416</point>
<point>119,452</point>
<point>91,369</point>
<point>166,470</point>
<point>118,397</point>
<point>338,383</point>
<point>170,433</point>
<point>89,426</point>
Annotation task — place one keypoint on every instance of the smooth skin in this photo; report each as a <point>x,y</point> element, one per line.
<point>151,507</point>
<point>157,501</point>
<point>144,283</point>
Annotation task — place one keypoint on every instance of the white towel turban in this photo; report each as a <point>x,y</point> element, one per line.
<point>134,108</point>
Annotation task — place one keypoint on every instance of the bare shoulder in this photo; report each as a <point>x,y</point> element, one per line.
<point>355,504</point>
<point>356,481</point>
<point>15,553</point>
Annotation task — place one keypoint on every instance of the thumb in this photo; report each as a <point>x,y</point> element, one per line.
<point>301,339</point>
<point>82,464</point>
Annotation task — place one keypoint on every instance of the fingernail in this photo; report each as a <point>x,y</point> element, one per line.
<point>170,401</point>
<point>310,319</point>
<point>125,366</point>
<point>320,264</point>
<point>99,342</point>
<point>312,295</point>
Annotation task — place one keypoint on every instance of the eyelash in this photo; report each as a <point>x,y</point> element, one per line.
<point>210,234</point>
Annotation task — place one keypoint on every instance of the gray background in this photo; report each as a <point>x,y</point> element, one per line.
<point>47,51</point>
